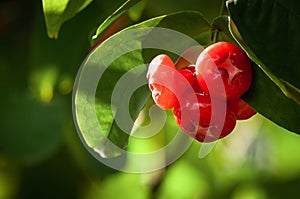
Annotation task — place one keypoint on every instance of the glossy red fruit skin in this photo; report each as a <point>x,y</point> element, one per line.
<point>227,63</point>
<point>241,109</point>
<point>160,68</point>
<point>193,109</point>
<point>194,116</point>
<point>217,130</point>
<point>189,74</point>
<point>161,76</point>
<point>163,97</point>
<point>167,83</point>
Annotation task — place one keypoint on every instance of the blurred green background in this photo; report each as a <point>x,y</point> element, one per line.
<point>41,155</point>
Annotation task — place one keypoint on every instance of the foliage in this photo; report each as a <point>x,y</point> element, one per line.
<point>267,63</point>
<point>41,154</point>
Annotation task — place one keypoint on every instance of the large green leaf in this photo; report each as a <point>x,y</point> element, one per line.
<point>270,30</point>
<point>264,95</point>
<point>111,87</point>
<point>57,12</point>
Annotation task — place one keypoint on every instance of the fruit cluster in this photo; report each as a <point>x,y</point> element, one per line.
<point>205,95</point>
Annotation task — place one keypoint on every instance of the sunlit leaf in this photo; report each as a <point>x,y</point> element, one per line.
<point>112,18</point>
<point>58,12</point>
<point>120,62</point>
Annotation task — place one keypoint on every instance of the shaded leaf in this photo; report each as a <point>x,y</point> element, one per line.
<point>264,95</point>
<point>220,24</point>
<point>270,30</point>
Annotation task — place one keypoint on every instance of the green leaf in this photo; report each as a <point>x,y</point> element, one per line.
<point>111,87</point>
<point>220,24</point>
<point>264,95</point>
<point>112,18</point>
<point>58,12</point>
<point>270,31</point>
<point>267,99</point>
<point>136,11</point>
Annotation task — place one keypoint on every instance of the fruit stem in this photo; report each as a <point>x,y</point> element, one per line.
<point>222,8</point>
<point>215,32</point>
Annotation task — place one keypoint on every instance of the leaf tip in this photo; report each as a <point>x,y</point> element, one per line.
<point>53,36</point>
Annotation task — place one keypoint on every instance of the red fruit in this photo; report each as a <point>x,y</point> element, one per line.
<point>161,74</point>
<point>218,130</point>
<point>163,97</point>
<point>193,109</point>
<point>241,109</point>
<point>159,68</point>
<point>189,74</point>
<point>224,70</point>
<point>194,116</point>
<point>167,83</point>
